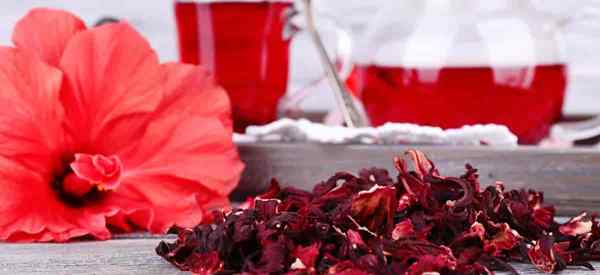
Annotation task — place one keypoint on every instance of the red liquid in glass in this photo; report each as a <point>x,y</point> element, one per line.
<point>526,99</point>
<point>242,44</point>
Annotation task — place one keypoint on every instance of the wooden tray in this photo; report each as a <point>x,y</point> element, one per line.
<point>570,178</point>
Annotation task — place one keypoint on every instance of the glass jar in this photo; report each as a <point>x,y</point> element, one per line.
<point>451,63</point>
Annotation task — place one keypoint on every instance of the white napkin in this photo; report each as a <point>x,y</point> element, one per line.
<point>288,130</point>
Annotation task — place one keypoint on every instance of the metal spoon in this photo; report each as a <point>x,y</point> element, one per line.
<point>353,117</point>
<point>574,131</point>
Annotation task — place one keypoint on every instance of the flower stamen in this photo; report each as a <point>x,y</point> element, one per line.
<point>92,172</point>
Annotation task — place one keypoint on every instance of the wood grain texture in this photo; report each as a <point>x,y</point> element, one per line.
<point>117,257</point>
<point>569,178</point>
<point>525,269</point>
<point>120,256</point>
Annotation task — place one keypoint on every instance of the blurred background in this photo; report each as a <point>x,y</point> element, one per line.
<point>577,32</point>
<point>155,19</point>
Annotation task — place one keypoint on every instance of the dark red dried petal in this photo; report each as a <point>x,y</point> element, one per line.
<point>297,272</point>
<point>562,249</point>
<point>491,200</point>
<point>207,263</point>
<point>341,180</point>
<point>441,263</point>
<point>527,213</point>
<point>472,177</point>
<point>376,176</point>
<point>191,252</point>
<point>346,268</point>
<point>477,229</point>
<point>542,215</point>
<point>544,258</point>
<point>474,269</point>
<point>275,258</point>
<point>293,199</point>
<point>506,239</point>
<point>402,230</point>
<point>423,166</point>
<point>422,225</point>
<point>375,208</point>
<point>463,192</point>
<point>372,264</point>
<point>266,208</point>
<point>405,202</point>
<point>272,192</point>
<point>579,225</point>
<point>412,182</point>
<point>308,255</point>
<point>423,222</point>
<point>405,250</point>
<point>244,225</point>
<point>355,238</point>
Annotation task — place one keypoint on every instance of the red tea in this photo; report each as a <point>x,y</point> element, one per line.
<point>526,99</point>
<point>242,44</point>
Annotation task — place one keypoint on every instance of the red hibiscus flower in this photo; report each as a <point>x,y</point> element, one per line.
<point>96,134</point>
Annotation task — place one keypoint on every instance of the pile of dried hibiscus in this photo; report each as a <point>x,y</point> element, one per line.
<point>372,224</point>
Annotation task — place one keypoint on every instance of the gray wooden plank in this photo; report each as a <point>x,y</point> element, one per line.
<point>141,235</point>
<point>527,269</point>
<point>121,256</point>
<point>569,178</point>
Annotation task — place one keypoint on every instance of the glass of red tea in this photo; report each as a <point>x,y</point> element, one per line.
<point>245,44</point>
<point>463,62</point>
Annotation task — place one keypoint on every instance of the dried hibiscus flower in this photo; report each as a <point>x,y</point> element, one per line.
<point>422,222</point>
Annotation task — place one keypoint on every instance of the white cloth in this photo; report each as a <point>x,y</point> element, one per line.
<point>287,130</point>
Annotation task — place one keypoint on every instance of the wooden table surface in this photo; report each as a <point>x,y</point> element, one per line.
<point>124,256</point>
<point>571,179</point>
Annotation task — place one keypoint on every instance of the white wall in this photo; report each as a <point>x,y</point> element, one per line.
<point>154,18</point>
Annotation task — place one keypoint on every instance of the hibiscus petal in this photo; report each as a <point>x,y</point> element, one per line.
<point>84,168</point>
<point>504,240</point>
<point>46,32</point>
<point>178,161</point>
<point>544,258</point>
<point>28,100</point>
<point>205,264</point>
<point>190,133</point>
<point>308,255</point>
<point>173,201</point>
<point>197,149</point>
<point>375,208</point>
<point>579,225</point>
<point>30,210</point>
<point>29,154</point>
<point>180,170</point>
<point>430,264</point>
<point>347,268</point>
<point>114,79</point>
<point>134,221</point>
<point>191,90</point>
<point>403,229</point>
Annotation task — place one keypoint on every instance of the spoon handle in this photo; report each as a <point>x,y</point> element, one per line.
<point>574,131</point>
<point>352,116</point>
